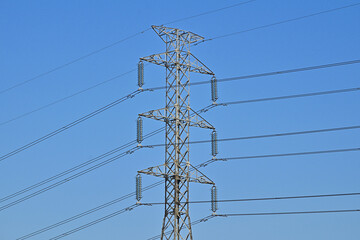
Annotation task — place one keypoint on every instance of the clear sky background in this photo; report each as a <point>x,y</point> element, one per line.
<point>40,35</point>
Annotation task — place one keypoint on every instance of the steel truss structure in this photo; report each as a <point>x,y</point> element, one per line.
<point>178,117</point>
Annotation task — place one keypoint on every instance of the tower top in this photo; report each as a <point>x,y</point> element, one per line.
<point>168,34</point>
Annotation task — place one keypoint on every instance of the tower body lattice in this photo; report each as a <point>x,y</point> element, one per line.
<point>178,117</point>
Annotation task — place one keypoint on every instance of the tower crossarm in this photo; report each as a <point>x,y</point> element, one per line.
<point>195,119</point>
<point>158,114</point>
<point>193,176</point>
<point>156,171</point>
<point>169,35</point>
<point>169,59</point>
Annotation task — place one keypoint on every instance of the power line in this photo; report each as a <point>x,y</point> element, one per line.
<point>195,83</point>
<point>282,22</point>
<point>265,199</point>
<point>273,73</point>
<point>108,80</point>
<point>98,165</point>
<point>212,106</point>
<point>72,124</point>
<point>303,69</point>
<point>56,184</point>
<point>82,165</point>
<point>223,215</point>
<point>270,135</point>
<point>67,234</point>
<point>204,164</point>
<point>286,134</point>
<point>208,12</point>
<point>129,208</point>
<point>155,132</point>
<point>205,219</point>
<point>64,98</point>
<point>222,104</point>
<point>77,216</point>
<point>41,183</point>
<point>204,141</point>
<point>75,60</point>
<point>77,167</point>
<point>280,155</point>
<point>316,67</point>
<point>293,96</point>
<point>285,213</point>
<point>201,165</point>
<point>347,90</point>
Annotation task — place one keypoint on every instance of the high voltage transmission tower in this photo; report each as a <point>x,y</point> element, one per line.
<point>178,117</point>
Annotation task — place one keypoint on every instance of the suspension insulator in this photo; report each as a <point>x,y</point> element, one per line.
<point>214,204</point>
<point>214,89</point>
<point>139,126</point>
<point>140,74</point>
<point>214,144</point>
<point>138,187</point>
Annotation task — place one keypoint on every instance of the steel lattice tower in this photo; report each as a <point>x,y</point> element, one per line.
<point>178,117</point>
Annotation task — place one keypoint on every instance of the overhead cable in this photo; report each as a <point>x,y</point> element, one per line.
<point>265,198</point>
<point>72,177</point>
<point>205,219</point>
<point>270,135</point>
<point>316,67</point>
<point>204,164</point>
<point>85,213</point>
<point>272,73</point>
<point>280,155</point>
<point>64,98</point>
<point>75,60</point>
<point>77,167</point>
<point>127,209</point>
<point>281,22</point>
<point>70,125</point>
<point>286,213</point>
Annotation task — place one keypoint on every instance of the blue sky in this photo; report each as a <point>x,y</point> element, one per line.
<point>40,35</point>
